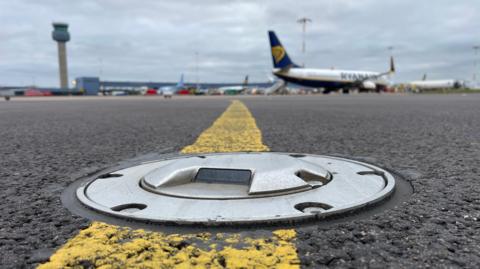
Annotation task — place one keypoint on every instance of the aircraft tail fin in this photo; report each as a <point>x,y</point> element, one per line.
<point>424,77</point>
<point>392,65</point>
<point>180,84</point>
<point>279,54</point>
<point>390,71</point>
<point>245,81</point>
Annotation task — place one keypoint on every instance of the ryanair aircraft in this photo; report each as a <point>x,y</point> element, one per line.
<point>329,80</point>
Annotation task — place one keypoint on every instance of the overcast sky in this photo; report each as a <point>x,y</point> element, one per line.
<point>157,40</point>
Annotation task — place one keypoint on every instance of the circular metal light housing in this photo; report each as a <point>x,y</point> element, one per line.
<point>237,188</point>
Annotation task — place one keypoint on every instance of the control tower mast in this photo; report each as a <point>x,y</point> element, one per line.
<point>62,36</point>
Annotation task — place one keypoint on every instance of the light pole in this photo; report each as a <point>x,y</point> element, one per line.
<point>390,49</point>
<point>304,22</point>
<point>475,65</point>
<point>196,68</point>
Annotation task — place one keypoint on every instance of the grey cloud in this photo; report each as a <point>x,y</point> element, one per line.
<point>156,40</point>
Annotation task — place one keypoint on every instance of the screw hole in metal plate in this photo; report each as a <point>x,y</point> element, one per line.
<point>129,208</point>
<point>376,172</point>
<point>312,207</point>
<point>110,175</point>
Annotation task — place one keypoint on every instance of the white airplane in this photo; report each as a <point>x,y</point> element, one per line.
<point>328,79</point>
<point>235,89</point>
<point>425,84</point>
<point>168,91</point>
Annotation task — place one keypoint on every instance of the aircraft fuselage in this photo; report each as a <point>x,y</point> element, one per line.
<point>435,84</point>
<point>331,79</point>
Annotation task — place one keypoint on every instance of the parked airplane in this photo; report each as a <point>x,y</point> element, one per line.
<point>425,84</point>
<point>236,89</point>
<point>168,91</point>
<point>327,79</point>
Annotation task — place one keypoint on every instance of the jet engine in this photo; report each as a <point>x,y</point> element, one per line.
<point>370,85</point>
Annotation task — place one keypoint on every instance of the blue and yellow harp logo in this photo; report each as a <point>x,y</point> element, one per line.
<point>278,53</point>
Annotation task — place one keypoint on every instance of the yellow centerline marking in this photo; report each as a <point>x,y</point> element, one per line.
<point>235,130</point>
<point>103,245</point>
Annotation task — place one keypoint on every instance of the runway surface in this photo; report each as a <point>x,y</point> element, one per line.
<point>432,140</point>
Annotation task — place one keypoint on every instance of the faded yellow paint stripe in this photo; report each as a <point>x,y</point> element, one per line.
<point>103,245</point>
<point>235,130</point>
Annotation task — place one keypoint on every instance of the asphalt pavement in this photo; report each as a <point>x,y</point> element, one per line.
<point>432,140</point>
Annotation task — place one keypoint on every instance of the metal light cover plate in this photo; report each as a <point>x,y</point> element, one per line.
<point>237,188</point>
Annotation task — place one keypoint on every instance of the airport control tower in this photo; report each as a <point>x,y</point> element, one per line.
<point>61,35</point>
